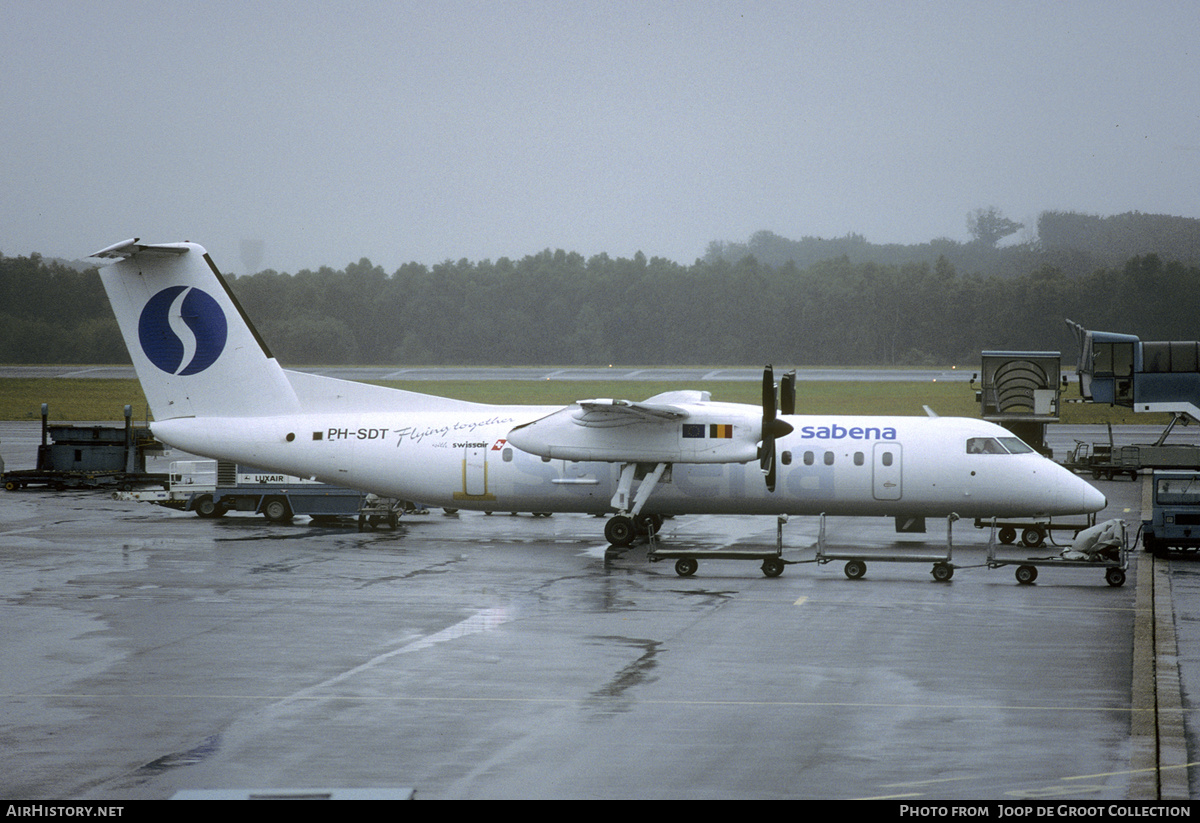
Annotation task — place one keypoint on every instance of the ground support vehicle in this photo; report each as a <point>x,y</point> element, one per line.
<point>687,561</point>
<point>856,561</point>
<point>1174,513</point>
<point>89,457</point>
<point>211,489</point>
<point>1106,460</point>
<point>59,480</point>
<point>1033,533</point>
<point>1102,546</point>
<point>376,512</point>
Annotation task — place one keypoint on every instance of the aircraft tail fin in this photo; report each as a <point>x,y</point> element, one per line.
<point>195,351</point>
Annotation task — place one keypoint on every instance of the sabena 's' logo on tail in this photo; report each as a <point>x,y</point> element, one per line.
<point>182,330</point>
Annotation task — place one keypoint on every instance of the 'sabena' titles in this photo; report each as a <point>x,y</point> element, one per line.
<point>836,432</point>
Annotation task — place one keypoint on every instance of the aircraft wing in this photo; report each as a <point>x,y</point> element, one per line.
<point>601,413</point>
<point>672,427</point>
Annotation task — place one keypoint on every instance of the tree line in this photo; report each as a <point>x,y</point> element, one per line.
<point>557,307</point>
<point>1076,244</point>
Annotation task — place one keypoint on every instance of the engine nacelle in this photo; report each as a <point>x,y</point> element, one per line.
<point>618,431</point>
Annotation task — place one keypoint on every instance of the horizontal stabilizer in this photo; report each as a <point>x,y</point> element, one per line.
<point>128,248</point>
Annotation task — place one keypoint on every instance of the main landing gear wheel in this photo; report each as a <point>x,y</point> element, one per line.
<point>772,567</point>
<point>620,531</point>
<point>855,569</point>
<point>686,566</point>
<point>1115,577</point>
<point>1026,574</point>
<point>942,572</point>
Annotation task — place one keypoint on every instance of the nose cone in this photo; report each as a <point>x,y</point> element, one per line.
<point>1093,500</point>
<point>1074,495</point>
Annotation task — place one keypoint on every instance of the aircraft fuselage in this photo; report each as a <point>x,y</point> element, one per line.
<point>829,464</point>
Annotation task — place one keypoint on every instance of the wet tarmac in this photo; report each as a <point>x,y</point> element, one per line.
<point>148,652</point>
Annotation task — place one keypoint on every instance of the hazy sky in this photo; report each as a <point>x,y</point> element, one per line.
<point>423,131</point>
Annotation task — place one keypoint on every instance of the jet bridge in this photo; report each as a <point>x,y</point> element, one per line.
<point>1146,376</point>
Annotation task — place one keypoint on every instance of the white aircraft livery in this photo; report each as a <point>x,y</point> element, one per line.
<point>215,390</point>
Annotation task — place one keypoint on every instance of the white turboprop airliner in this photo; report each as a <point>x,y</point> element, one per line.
<point>215,390</point>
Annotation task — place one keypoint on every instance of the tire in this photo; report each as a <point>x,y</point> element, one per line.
<point>772,567</point>
<point>1033,537</point>
<point>207,507</point>
<point>855,569</point>
<point>1115,577</point>
<point>1026,574</point>
<point>686,566</point>
<point>942,572</point>
<point>1008,535</point>
<point>277,510</point>
<point>619,531</point>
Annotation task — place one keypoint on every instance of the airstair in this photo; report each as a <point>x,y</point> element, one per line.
<point>1021,391</point>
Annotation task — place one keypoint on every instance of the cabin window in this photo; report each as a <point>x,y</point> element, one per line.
<point>506,455</point>
<point>786,458</point>
<point>859,458</point>
<point>828,458</point>
<point>886,458</point>
<point>809,458</point>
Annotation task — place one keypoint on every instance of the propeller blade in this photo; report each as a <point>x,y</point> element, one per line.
<point>768,394</point>
<point>787,393</point>
<point>772,427</point>
<point>766,454</point>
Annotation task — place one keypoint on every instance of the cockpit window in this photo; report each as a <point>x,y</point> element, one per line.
<point>997,445</point>
<point>1016,445</point>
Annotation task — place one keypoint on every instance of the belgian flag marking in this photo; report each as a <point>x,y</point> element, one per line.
<point>720,431</point>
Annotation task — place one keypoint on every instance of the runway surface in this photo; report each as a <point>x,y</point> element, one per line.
<point>149,652</point>
<point>525,373</point>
